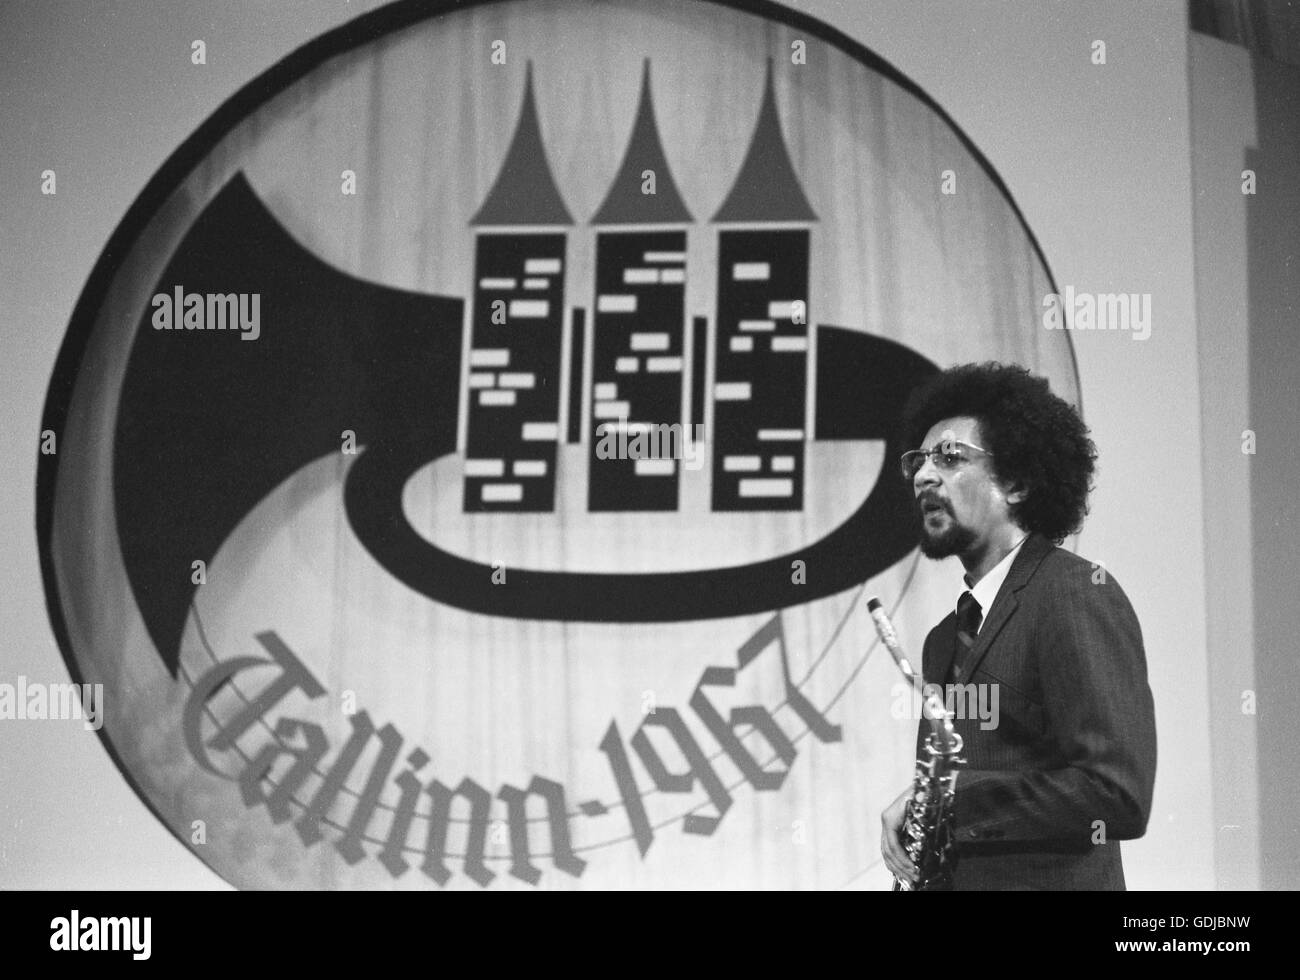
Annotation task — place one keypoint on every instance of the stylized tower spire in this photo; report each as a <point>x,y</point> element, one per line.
<point>625,203</point>
<point>766,188</point>
<point>525,191</point>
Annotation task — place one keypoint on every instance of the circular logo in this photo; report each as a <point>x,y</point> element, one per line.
<point>475,443</point>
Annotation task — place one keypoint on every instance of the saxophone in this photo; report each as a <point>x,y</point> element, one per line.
<point>927,833</point>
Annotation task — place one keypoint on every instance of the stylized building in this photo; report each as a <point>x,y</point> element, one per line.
<point>760,418</point>
<point>638,333</point>
<point>516,330</point>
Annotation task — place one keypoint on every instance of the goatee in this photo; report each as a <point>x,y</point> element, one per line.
<point>953,540</point>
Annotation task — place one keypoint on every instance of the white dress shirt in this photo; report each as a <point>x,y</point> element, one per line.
<point>986,589</point>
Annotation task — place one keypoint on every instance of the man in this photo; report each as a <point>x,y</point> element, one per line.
<point>1001,477</point>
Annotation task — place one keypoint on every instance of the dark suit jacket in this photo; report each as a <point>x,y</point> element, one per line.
<point>1075,741</point>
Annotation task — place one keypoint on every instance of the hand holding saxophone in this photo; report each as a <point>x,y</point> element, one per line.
<point>917,834</point>
<point>891,846</point>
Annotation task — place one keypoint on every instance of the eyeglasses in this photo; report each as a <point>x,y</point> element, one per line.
<point>947,456</point>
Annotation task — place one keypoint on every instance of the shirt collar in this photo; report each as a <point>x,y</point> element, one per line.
<point>986,589</point>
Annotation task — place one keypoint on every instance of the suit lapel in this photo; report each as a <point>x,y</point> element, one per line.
<point>1031,555</point>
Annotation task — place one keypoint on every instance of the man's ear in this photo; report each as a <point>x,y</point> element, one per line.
<point>1016,493</point>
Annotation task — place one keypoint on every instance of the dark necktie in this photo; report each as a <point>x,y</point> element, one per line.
<point>969,617</point>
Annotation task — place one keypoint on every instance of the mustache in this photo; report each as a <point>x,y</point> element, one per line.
<point>930,497</point>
